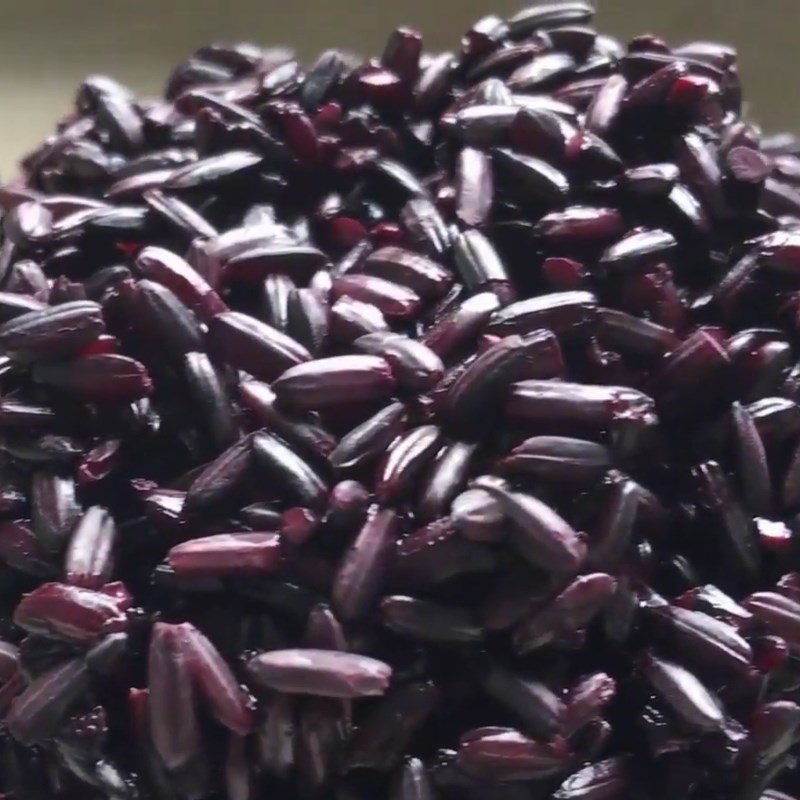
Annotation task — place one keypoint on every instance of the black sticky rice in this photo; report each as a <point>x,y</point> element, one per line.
<point>426,428</point>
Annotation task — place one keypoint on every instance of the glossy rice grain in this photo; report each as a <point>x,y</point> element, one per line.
<point>104,378</point>
<point>542,536</point>
<point>215,681</point>
<point>559,458</point>
<point>334,381</point>
<point>370,439</point>
<point>391,725</point>
<point>322,673</point>
<point>91,552</point>
<point>70,613</point>
<point>227,554</point>
<point>426,277</point>
<point>486,380</point>
<point>365,565</point>
<point>174,727</point>
<point>415,367</point>
<point>249,344</point>
<point>294,475</point>
<point>52,332</point>
<point>38,712</point>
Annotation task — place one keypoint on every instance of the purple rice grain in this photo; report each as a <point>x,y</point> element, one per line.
<point>420,428</point>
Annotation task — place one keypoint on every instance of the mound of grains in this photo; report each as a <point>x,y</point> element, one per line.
<point>426,428</point>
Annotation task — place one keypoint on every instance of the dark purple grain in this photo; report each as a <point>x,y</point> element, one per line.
<point>484,125</point>
<point>226,167</point>
<point>708,643</point>
<point>66,612</point>
<point>779,614</point>
<point>735,528</point>
<point>651,180</point>
<point>364,567</point>
<point>335,381</point>
<point>578,405</point>
<point>528,180</point>
<point>413,782</point>
<point>420,619</point>
<point>27,278</point>
<point>308,319</point>
<point>222,478</point>
<point>369,439</point>
<point>52,332</point>
<point>511,756</point>
<point>478,516</point>
<point>462,324</point>
<point>21,550</point>
<point>541,71</point>
<point>474,187</point>
<point>275,735</point>
<point>166,267</point>
<point>445,479</point>
<point>570,611</point>
<point>291,473</point>
<point>90,556</point>
<point>277,289</point>
<point>541,535</point>
<point>303,433</point>
<point>39,711</point>
<point>206,387</point>
<point>216,683</point>
<point>683,693</point>
<point>425,226</point>
<point>592,157</point>
<point>164,320</point>
<point>478,263</point>
<point>323,673</point>
<point>238,774</point>
<point>580,225</point>
<point>15,305</point>
<point>639,249</point>
<point>602,780</point>
<point>323,630</point>
<point>612,531</point>
<point>104,378</point>
<point>54,508</point>
<point>586,701</point>
<point>558,458</point>
<point>752,461</point>
<point>437,553</point>
<point>563,313</point>
<point>174,726</point>
<point>604,110</point>
<point>416,367</point>
<point>227,554</point>
<point>482,386</point>
<point>775,731</point>
<point>396,302</point>
<point>249,344</point>
<point>406,460</point>
<point>389,728</point>
<point>9,661</point>
<point>633,336</point>
<point>321,731</point>
<point>551,14</point>
<point>256,263</point>
<point>351,319</point>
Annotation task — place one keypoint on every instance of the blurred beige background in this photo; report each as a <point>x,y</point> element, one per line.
<point>47,46</point>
